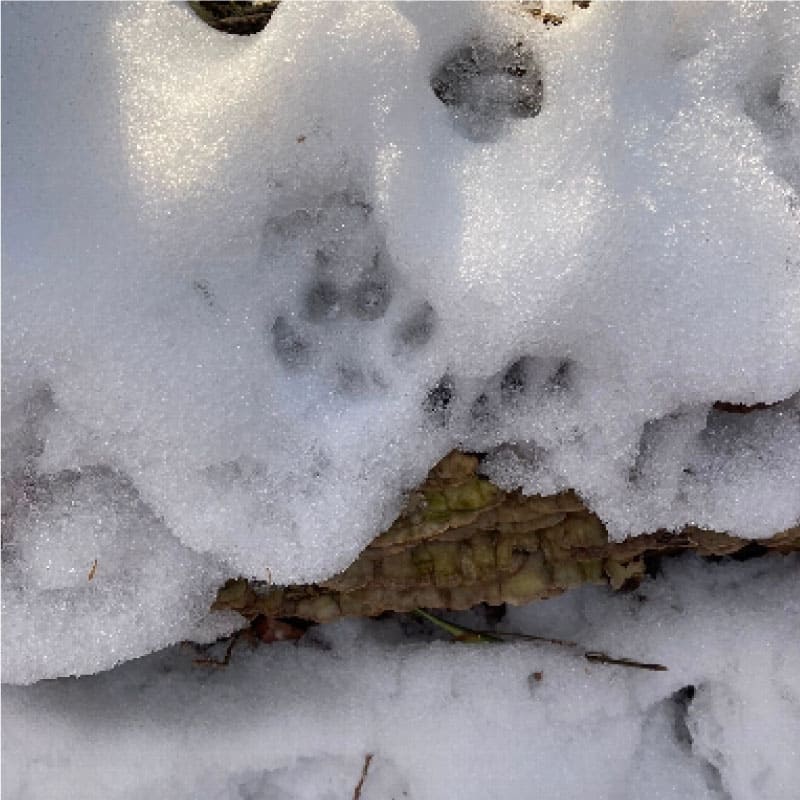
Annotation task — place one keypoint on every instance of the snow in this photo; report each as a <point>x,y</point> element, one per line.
<point>254,288</point>
<point>441,719</point>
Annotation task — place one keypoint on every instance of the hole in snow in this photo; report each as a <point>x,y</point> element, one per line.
<point>481,411</point>
<point>351,378</point>
<point>560,380</point>
<point>322,301</point>
<point>513,381</point>
<point>681,701</point>
<point>440,398</point>
<point>531,374</point>
<point>289,345</point>
<point>416,330</point>
<point>732,428</point>
<point>371,296</point>
<point>764,102</point>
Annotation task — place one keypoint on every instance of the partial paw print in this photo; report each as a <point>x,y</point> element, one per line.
<point>485,85</point>
<point>764,101</point>
<point>346,312</point>
<point>24,433</point>
<point>73,519</point>
<point>479,407</point>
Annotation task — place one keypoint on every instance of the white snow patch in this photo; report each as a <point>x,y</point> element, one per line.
<point>255,287</point>
<point>450,720</point>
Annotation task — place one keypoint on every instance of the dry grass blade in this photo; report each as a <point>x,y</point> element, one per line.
<point>470,636</point>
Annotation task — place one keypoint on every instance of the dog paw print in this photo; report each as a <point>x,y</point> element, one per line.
<point>347,313</point>
<point>484,86</point>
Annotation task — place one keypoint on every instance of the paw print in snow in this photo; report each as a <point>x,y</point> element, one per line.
<point>348,313</point>
<point>485,85</point>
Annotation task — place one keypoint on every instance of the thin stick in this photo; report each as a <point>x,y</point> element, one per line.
<point>364,771</point>
<point>214,662</point>
<point>602,658</point>
<point>470,636</point>
<point>528,637</point>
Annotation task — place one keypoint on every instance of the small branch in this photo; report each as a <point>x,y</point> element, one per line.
<point>364,771</point>
<point>215,662</point>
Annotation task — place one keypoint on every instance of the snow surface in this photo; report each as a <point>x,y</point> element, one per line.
<point>445,720</point>
<point>255,287</point>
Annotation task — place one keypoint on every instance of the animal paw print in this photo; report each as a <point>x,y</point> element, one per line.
<point>485,85</point>
<point>529,380</point>
<point>347,314</point>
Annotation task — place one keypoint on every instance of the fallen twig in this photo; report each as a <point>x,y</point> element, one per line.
<point>260,630</point>
<point>221,663</point>
<point>364,771</point>
<point>602,658</point>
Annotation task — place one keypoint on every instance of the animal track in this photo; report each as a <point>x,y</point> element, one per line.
<point>485,85</point>
<point>416,330</point>
<point>371,296</point>
<point>24,431</point>
<point>439,399</point>
<point>776,119</point>
<point>323,301</point>
<point>681,703</point>
<point>344,293</point>
<point>532,375</point>
<point>349,319</point>
<point>70,517</point>
<point>481,410</point>
<point>513,381</point>
<point>289,345</point>
<point>203,290</point>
